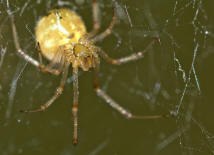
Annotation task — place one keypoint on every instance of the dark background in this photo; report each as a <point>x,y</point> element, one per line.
<point>175,76</point>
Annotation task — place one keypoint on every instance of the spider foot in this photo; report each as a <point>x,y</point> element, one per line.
<point>42,108</point>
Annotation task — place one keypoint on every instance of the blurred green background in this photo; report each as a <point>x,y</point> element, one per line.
<point>175,76</point>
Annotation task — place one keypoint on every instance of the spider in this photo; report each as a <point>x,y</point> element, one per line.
<point>62,39</point>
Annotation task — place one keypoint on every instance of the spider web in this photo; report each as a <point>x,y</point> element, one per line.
<point>175,75</point>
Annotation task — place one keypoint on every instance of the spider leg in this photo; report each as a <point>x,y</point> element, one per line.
<point>19,50</point>
<point>58,91</point>
<point>61,64</point>
<point>108,30</point>
<point>96,19</point>
<point>23,54</point>
<point>75,104</point>
<point>115,105</point>
<point>132,57</point>
<point>40,58</point>
<point>58,59</point>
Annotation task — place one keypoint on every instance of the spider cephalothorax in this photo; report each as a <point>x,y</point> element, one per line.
<point>84,56</point>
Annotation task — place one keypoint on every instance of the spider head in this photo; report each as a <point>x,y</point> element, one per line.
<point>84,56</point>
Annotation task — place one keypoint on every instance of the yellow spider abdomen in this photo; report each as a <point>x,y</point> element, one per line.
<point>59,28</point>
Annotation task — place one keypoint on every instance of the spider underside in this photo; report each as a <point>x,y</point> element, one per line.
<point>74,47</point>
